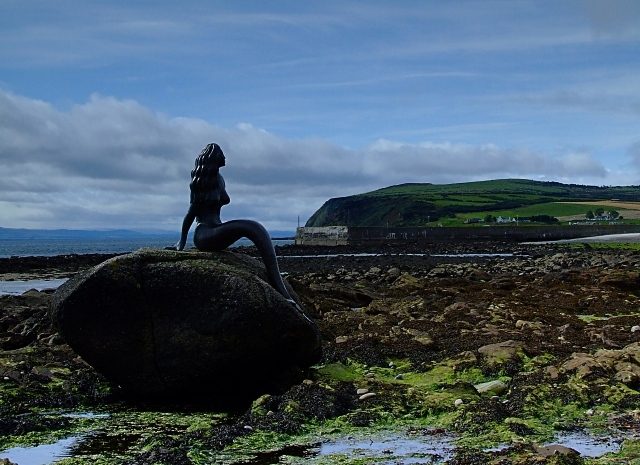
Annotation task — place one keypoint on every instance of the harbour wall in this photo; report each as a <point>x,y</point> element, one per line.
<point>351,235</point>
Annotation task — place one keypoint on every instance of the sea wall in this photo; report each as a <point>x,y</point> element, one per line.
<point>325,235</point>
<point>342,235</point>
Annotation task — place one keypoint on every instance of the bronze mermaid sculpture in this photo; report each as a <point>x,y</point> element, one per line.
<point>208,196</point>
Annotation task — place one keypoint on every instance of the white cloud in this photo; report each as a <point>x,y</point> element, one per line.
<point>115,163</point>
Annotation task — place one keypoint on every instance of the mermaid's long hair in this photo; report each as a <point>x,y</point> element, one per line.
<point>204,176</point>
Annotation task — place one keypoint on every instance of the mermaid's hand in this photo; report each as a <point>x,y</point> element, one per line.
<point>178,246</point>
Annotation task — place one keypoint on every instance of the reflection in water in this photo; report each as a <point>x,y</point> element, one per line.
<point>587,445</point>
<point>398,448</point>
<point>43,454</point>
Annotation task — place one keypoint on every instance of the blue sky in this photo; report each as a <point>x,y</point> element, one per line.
<point>104,105</point>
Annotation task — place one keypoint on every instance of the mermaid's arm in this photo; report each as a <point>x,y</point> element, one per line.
<point>186,225</point>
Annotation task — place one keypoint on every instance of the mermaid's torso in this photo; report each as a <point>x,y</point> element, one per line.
<point>207,212</point>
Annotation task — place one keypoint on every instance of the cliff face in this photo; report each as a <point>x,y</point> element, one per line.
<point>419,204</point>
<point>368,211</point>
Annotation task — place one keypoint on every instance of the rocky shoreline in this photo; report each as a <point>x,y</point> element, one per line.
<point>509,348</point>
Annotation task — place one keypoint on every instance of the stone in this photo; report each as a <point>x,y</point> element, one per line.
<point>622,279</point>
<point>501,352</point>
<point>491,388</point>
<point>555,450</point>
<point>421,337</point>
<point>366,396</point>
<point>164,323</point>
<point>407,283</point>
<point>582,364</point>
<point>458,402</point>
<point>529,325</point>
<point>627,377</point>
<point>373,272</point>
<point>362,391</point>
<point>635,329</point>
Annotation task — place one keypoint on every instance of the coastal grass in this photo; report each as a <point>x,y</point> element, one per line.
<point>634,246</point>
<point>451,204</point>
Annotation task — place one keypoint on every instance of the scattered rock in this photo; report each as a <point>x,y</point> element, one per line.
<point>367,395</point>
<point>458,402</point>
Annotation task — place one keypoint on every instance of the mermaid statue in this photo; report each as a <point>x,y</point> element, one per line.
<point>208,196</point>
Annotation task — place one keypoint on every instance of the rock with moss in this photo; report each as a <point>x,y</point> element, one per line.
<point>161,323</point>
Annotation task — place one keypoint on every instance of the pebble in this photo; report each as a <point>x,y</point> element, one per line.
<point>362,391</point>
<point>370,375</point>
<point>589,412</point>
<point>248,428</point>
<point>366,396</point>
<point>307,381</point>
<point>635,328</point>
<point>6,378</point>
<point>458,402</point>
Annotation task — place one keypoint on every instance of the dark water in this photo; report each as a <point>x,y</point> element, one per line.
<point>49,247</point>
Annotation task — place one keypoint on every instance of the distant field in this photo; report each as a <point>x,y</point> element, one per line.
<point>550,208</point>
<point>614,204</point>
<point>564,211</point>
<point>628,210</point>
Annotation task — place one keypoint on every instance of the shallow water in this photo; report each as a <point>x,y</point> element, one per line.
<point>400,449</point>
<point>43,454</point>
<point>390,447</point>
<point>587,445</point>
<point>20,287</point>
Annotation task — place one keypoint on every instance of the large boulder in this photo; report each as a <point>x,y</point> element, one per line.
<point>163,323</point>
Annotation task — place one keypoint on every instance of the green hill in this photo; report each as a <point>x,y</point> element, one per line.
<point>452,204</point>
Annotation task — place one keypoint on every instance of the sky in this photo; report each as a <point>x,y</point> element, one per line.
<point>105,104</point>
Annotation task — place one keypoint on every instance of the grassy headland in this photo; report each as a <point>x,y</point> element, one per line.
<point>454,204</point>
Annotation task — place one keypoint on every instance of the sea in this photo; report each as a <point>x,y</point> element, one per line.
<point>67,246</point>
